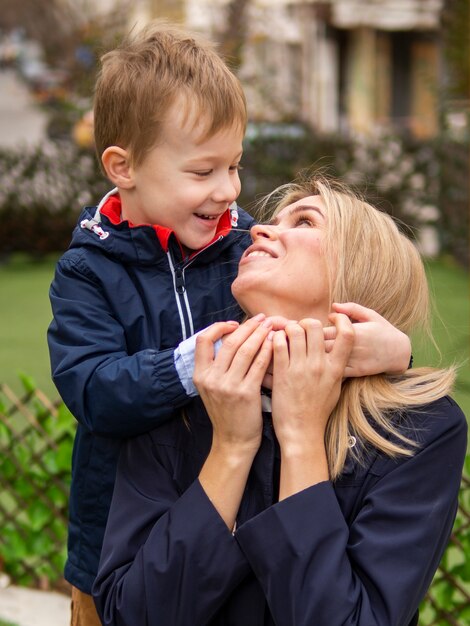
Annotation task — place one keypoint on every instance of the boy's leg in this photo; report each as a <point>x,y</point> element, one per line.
<point>83,609</point>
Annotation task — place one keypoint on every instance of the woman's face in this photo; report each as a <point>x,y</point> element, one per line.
<point>284,271</point>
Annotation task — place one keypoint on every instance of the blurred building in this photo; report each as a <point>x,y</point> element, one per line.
<point>338,65</point>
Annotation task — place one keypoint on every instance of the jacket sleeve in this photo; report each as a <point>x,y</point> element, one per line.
<point>314,569</point>
<point>167,558</point>
<point>110,392</point>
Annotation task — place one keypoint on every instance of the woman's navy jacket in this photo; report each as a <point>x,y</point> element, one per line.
<point>121,305</point>
<point>361,551</point>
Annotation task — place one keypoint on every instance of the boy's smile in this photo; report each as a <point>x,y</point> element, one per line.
<point>183,183</point>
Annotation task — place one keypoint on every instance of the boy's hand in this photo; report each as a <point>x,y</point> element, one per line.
<point>378,348</point>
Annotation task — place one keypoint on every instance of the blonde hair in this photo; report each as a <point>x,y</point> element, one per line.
<point>373,264</point>
<point>144,77</point>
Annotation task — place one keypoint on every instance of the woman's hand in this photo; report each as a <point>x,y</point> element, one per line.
<point>378,347</point>
<point>230,387</point>
<point>230,383</point>
<point>306,386</point>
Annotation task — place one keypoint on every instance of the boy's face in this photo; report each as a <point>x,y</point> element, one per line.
<point>185,184</point>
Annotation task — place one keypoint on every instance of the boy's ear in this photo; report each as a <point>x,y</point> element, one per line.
<point>117,165</point>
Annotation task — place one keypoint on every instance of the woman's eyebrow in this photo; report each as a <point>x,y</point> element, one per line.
<point>301,208</point>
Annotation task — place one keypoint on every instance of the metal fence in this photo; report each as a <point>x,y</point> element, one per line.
<point>36,437</point>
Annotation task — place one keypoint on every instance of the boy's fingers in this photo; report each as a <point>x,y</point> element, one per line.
<point>344,341</point>
<point>355,311</point>
<point>329,333</point>
<point>279,322</point>
<point>280,352</point>
<point>315,341</point>
<point>297,341</point>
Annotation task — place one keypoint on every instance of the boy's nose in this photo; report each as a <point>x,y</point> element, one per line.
<point>227,189</point>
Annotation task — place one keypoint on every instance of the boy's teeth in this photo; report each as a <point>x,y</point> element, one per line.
<point>206,217</point>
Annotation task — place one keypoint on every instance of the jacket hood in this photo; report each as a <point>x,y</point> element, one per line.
<point>101,227</point>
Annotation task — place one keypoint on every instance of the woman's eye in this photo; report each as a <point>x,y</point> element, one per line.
<point>203,174</point>
<point>303,221</point>
<point>236,168</point>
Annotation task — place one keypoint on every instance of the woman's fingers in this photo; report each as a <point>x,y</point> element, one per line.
<point>233,341</point>
<point>204,351</point>
<point>254,354</point>
<point>244,350</point>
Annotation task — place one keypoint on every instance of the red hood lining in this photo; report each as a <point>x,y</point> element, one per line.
<point>112,210</point>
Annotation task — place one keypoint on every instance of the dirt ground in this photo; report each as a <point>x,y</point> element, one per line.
<point>30,607</point>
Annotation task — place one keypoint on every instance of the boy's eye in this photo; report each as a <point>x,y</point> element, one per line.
<point>236,168</point>
<point>203,173</point>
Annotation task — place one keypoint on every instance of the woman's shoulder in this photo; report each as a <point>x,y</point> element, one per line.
<point>430,421</point>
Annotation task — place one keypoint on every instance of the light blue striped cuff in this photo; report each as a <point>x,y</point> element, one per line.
<point>184,362</point>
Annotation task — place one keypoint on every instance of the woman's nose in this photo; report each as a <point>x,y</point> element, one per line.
<point>262,231</point>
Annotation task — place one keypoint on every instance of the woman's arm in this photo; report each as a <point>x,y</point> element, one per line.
<point>316,569</point>
<point>306,387</point>
<point>167,556</point>
<point>170,558</point>
<point>230,387</point>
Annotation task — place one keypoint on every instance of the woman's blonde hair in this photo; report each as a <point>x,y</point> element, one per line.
<point>373,264</point>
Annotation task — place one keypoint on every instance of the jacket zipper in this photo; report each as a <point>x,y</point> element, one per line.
<point>181,295</point>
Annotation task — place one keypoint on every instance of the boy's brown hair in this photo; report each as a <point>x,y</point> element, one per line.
<point>143,77</point>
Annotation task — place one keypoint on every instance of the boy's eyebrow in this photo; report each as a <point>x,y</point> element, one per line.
<point>297,209</point>
<point>211,157</point>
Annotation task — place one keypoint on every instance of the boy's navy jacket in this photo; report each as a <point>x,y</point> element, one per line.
<point>121,304</point>
<point>358,552</point>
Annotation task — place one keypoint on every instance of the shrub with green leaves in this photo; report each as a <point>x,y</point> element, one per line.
<point>42,191</point>
<point>44,188</point>
<point>36,440</point>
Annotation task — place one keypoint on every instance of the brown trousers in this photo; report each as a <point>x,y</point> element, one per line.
<point>83,609</point>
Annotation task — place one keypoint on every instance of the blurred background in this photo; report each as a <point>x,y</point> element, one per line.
<point>376,92</point>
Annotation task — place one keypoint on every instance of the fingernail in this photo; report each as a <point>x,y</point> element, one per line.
<point>233,323</point>
<point>267,323</point>
<point>270,335</point>
<point>259,318</point>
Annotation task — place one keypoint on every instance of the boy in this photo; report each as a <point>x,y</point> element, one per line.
<point>150,266</point>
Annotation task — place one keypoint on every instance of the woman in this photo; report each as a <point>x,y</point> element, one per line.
<point>331,507</point>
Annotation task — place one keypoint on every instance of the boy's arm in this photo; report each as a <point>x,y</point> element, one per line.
<point>379,347</point>
<point>109,391</point>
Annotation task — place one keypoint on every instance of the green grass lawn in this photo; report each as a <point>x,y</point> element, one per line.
<point>25,314</point>
<point>451,326</point>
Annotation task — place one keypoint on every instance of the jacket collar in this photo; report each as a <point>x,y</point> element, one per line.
<point>111,207</point>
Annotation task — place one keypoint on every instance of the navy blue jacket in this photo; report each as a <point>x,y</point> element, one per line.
<point>121,304</point>
<point>361,551</point>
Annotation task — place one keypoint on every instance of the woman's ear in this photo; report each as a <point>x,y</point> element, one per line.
<point>117,165</point>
